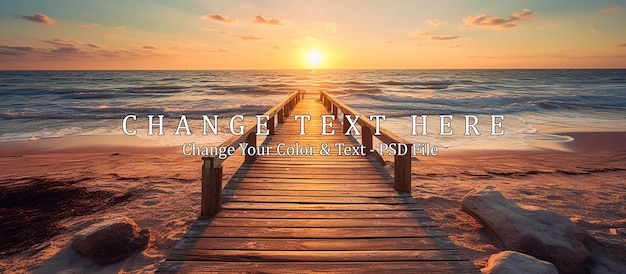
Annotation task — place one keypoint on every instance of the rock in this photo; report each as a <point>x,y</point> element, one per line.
<point>544,234</point>
<point>111,241</point>
<point>507,262</point>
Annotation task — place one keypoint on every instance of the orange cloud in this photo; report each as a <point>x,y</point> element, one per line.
<point>39,18</point>
<point>441,38</point>
<point>331,26</point>
<point>220,32</point>
<point>95,46</point>
<point>67,50</point>
<point>220,18</point>
<point>612,9</point>
<point>488,21</point>
<point>63,42</point>
<point>434,22</point>
<point>622,45</point>
<point>219,50</point>
<point>92,25</point>
<point>16,50</point>
<point>250,38</point>
<point>149,47</point>
<point>269,21</point>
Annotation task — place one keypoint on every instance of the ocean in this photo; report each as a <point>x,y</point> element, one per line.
<point>47,104</point>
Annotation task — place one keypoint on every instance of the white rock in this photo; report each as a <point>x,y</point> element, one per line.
<point>507,262</point>
<point>544,234</point>
<point>111,241</point>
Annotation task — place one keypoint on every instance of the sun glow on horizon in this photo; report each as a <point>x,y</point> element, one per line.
<point>314,58</point>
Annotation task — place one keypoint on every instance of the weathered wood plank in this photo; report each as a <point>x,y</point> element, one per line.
<point>371,244</point>
<point>317,256</point>
<point>384,182</point>
<point>314,232</point>
<point>294,223</point>
<point>322,214</point>
<point>312,193</point>
<point>431,267</point>
<point>319,200</point>
<point>310,186</point>
<point>329,207</point>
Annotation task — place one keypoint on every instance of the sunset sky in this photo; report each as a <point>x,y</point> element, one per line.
<point>151,34</point>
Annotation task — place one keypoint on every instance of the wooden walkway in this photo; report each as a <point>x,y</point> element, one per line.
<point>305,214</point>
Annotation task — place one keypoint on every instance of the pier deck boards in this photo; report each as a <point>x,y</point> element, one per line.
<point>298,214</point>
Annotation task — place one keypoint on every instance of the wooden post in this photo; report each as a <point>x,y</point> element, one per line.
<point>366,139</point>
<point>402,173</point>
<point>281,115</point>
<point>211,203</point>
<point>287,109</point>
<point>270,126</point>
<point>251,140</point>
<point>344,124</point>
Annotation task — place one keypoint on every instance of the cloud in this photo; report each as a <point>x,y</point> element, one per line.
<point>623,45</point>
<point>219,50</point>
<point>269,21</point>
<point>220,32</point>
<point>424,35</point>
<point>63,42</point>
<point>454,46</point>
<point>331,26</point>
<point>19,48</point>
<point>250,38</point>
<point>39,18</point>
<point>442,38</point>
<point>487,21</point>
<point>120,27</point>
<point>92,25</point>
<point>612,9</point>
<point>219,18</point>
<point>95,46</point>
<point>433,22</point>
<point>66,50</point>
<point>149,47</point>
<point>16,50</point>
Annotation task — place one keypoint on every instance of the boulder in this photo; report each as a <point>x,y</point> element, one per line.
<point>507,262</point>
<point>111,241</point>
<point>544,234</point>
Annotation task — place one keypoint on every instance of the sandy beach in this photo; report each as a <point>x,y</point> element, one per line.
<point>160,189</point>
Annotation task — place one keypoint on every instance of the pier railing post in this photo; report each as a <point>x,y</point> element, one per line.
<point>211,203</point>
<point>281,115</point>
<point>402,173</point>
<point>367,139</point>
<point>271,126</point>
<point>251,140</point>
<point>344,123</point>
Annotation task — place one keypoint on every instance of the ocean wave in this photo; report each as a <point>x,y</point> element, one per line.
<point>111,112</point>
<point>160,88</point>
<point>415,83</point>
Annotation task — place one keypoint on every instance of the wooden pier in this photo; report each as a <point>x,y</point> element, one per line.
<point>303,214</point>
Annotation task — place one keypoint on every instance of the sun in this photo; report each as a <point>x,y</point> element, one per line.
<point>314,58</point>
